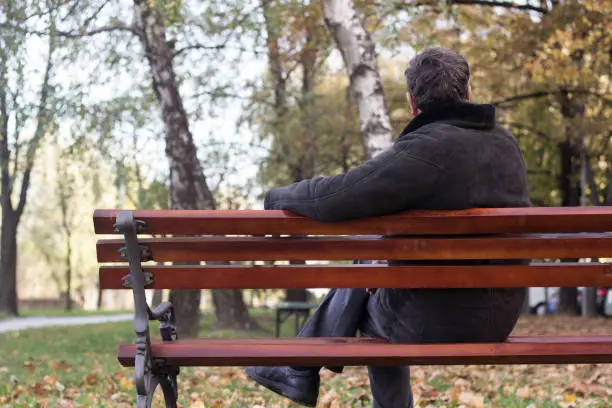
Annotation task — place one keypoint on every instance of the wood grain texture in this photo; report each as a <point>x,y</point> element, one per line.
<point>339,351</point>
<point>366,276</point>
<point>346,248</point>
<point>472,221</point>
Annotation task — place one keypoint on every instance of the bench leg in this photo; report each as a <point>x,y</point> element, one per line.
<point>145,381</point>
<point>148,372</point>
<point>169,387</point>
<point>148,378</point>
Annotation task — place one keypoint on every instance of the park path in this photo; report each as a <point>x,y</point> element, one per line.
<point>21,323</point>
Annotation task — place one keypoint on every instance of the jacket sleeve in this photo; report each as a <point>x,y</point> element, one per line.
<point>395,180</point>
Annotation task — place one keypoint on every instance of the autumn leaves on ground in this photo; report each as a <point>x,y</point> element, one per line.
<point>76,367</point>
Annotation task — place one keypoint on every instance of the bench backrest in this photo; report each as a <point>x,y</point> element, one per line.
<point>542,234</point>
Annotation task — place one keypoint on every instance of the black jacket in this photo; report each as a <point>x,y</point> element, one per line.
<point>452,157</point>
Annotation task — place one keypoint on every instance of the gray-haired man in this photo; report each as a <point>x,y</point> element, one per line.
<point>452,155</point>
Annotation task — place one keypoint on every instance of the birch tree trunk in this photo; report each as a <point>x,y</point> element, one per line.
<point>359,55</point>
<point>188,186</point>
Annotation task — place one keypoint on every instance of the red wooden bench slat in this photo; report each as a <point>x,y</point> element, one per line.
<point>339,248</point>
<point>473,221</point>
<point>279,352</point>
<point>366,276</point>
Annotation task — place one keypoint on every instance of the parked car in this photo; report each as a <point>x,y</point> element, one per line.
<point>603,300</point>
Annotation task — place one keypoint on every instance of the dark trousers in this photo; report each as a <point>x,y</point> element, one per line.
<point>414,316</point>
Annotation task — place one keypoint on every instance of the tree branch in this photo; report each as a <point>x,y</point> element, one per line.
<point>238,22</point>
<point>539,171</point>
<point>198,47</point>
<point>99,30</point>
<point>527,128</point>
<point>81,33</point>
<point>505,4</point>
<point>541,94</point>
<point>95,14</point>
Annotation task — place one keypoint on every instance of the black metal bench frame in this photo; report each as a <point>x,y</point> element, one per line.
<point>149,372</point>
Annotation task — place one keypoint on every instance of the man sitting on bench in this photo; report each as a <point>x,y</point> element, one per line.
<point>452,155</point>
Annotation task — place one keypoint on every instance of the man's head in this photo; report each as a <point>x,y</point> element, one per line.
<point>436,76</point>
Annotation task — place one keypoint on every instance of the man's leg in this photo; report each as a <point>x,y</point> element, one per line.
<point>339,315</point>
<point>390,385</point>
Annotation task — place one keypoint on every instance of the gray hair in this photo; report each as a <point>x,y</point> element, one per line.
<point>437,75</point>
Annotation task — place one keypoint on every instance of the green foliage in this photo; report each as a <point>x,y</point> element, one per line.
<point>544,69</point>
<point>332,141</point>
<point>331,133</point>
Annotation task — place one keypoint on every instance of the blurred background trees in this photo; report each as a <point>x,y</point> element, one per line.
<point>109,104</point>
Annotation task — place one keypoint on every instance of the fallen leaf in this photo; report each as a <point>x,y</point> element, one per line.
<point>92,379</point>
<point>471,400</point>
<point>328,399</point>
<point>126,383</point>
<point>59,386</point>
<point>60,365</point>
<point>523,392</point>
<point>569,398</point>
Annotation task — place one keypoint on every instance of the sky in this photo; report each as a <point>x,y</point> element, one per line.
<point>217,129</point>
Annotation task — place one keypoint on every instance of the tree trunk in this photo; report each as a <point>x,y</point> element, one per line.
<point>188,186</point>
<point>231,312</point>
<point>100,295</point>
<point>296,295</point>
<point>570,196</point>
<point>279,80</point>
<point>64,193</point>
<point>12,214</point>
<point>158,297</point>
<point>68,272</point>
<point>589,302</point>
<point>8,230</point>
<point>8,262</point>
<point>275,65</point>
<point>526,304</point>
<point>568,301</point>
<point>569,183</point>
<point>359,55</point>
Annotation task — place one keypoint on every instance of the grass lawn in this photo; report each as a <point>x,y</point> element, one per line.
<point>77,367</point>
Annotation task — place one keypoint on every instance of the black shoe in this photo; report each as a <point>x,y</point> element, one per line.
<point>300,387</point>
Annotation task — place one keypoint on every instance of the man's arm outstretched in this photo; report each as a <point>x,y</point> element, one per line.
<point>395,180</point>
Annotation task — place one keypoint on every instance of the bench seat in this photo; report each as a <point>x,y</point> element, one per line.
<point>373,351</point>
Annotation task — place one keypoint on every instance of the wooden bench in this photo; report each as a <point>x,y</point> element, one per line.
<point>299,310</point>
<point>535,233</point>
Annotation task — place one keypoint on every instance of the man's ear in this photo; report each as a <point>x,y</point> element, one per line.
<point>413,105</point>
<point>468,96</point>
